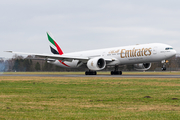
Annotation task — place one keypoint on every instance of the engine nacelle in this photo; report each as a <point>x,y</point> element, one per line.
<point>96,63</point>
<point>142,66</point>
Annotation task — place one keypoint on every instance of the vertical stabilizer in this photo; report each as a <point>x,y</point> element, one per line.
<point>57,49</point>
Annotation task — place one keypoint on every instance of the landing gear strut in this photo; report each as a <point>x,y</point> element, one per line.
<point>116,72</point>
<point>164,65</point>
<point>90,73</point>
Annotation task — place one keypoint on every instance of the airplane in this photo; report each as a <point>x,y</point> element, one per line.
<point>141,56</point>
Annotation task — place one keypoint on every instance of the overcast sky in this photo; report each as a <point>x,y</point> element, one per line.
<point>84,25</point>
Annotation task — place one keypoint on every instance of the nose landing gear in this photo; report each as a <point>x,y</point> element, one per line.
<point>164,65</point>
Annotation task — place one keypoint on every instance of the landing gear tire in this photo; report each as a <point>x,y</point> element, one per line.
<point>163,68</point>
<point>116,72</point>
<point>90,73</point>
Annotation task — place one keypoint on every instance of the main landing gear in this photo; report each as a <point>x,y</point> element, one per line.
<point>116,72</point>
<point>90,73</point>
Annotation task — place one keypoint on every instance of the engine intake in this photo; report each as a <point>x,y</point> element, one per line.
<point>96,64</point>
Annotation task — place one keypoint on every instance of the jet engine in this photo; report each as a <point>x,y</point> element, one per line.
<point>96,64</point>
<point>142,66</point>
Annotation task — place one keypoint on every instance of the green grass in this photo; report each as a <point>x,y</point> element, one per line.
<point>89,98</point>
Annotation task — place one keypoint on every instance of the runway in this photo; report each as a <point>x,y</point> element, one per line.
<point>78,75</point>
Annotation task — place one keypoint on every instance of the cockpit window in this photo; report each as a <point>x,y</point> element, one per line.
<point>168,48</point>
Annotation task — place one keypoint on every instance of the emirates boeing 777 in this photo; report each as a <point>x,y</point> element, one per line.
<point>141,56</point>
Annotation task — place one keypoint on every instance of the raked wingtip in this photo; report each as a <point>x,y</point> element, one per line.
<point>9,51</point>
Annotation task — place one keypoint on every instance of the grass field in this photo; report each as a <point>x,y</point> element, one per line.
<point>89,98</point>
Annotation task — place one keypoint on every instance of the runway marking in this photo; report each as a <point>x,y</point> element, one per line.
<point>117,76</point>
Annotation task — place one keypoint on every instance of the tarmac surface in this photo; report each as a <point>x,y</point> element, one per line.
<point>118,76</point>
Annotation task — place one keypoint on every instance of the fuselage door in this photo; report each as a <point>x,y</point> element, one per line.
<point>103,54</point>
<point>155,50</point>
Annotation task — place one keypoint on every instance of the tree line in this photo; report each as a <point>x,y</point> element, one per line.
<point>28,64</point>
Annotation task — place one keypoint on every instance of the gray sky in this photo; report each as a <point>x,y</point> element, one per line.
<point>84,25</point>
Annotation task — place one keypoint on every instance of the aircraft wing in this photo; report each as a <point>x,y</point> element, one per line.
<point>58,57</point>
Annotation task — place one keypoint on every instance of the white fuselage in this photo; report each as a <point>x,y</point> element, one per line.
<point>144,53</point>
